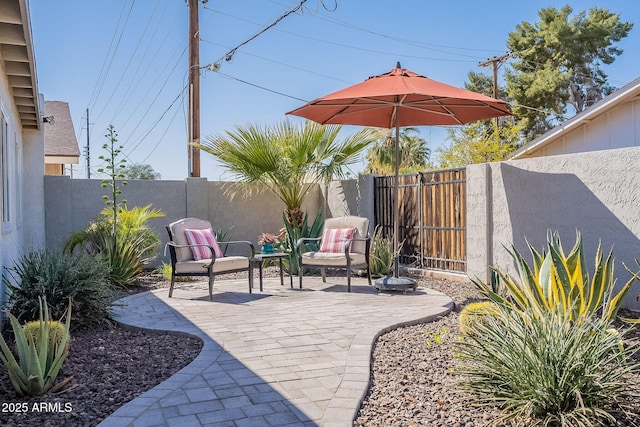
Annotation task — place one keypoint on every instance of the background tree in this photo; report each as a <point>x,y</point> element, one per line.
<point>558,64</point>
<point>478,142</point>
<point>414,153</point>
<point>140,171</point>
<point>286,158</point>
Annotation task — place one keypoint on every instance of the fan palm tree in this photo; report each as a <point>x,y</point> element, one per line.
<point>414,152</point>
<point>286,158</point>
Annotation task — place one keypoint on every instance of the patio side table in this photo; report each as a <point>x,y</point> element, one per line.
<point>260,258</point>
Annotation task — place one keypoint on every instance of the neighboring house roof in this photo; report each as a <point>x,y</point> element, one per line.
<point>60,143</point>
<point>16,54</point>
<point>628,93</point>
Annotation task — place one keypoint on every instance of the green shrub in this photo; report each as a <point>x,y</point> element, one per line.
<point>381,255</point>
<point>543,369</point>
<point>38,359</point>
<point>127,250</point>
<point>474,314</point>
<point>58,276</point>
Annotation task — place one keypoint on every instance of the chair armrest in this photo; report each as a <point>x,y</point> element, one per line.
<point>348,242</point>
<point>250,247</point>
<point>172,248</point>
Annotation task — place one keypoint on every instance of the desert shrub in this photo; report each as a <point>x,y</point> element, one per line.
<point>543,369</point>
<point>474,314</point>
<point>127,244</point>
<point>121,235</point>
<point>58,276</point>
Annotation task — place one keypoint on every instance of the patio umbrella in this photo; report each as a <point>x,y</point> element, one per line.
<point>396,99</point>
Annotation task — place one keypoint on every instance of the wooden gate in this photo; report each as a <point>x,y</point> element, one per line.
<point>432,217</point>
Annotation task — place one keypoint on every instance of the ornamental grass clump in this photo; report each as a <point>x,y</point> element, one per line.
<point>543,369</point>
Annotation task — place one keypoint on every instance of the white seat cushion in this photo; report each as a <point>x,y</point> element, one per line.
<point>331,259</point>
<point>221,265</point>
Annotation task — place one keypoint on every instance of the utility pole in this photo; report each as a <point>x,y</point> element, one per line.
<point>194,90</point>
<point>495,62</point>
<point>88,156</point>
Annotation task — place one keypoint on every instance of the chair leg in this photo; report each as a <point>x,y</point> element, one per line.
<point>369,275</point>
<point>349,280</point>
<point>211,279</point>
<point>251,278</point>
<point>323,272</point>
<point>173,281</point>
<point>300,274</point>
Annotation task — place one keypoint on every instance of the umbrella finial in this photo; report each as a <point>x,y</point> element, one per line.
<point>398,65</point>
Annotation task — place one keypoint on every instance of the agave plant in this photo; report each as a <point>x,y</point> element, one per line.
<point>381,255</point>
<point>560,282</point>
<point>293,233</point>
<point>39,359</point>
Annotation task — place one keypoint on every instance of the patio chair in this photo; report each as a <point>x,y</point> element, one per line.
<point>344,244</point>
<point>195,252</point>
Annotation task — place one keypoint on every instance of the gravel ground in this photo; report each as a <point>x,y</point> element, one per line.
<point>412,383</point>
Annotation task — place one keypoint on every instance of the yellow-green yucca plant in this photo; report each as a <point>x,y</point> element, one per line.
<point>39,359</point>
<point>559,281</point>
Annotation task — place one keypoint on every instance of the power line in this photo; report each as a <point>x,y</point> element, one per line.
<point>99,86</point>
<point>261,87</point>
<point>281,63</point>
<point>215,66</point>
<point>129,62</point>
<point>212,67</point>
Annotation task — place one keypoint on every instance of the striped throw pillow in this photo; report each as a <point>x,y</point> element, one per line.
<point>207,237</point>
<point>333,239</point>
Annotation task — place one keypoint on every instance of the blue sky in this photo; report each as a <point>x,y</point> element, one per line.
<point>126,60</point>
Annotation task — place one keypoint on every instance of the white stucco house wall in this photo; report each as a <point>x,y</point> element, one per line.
<point>613,122</point>
<point>21,139</point>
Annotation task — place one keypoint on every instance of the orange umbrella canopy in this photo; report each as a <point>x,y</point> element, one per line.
<point>401,98</point>
<point>397,99</point>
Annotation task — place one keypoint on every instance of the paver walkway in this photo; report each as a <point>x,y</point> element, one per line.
<point>281,357</point>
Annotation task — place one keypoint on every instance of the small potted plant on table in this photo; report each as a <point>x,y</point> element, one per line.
<point>267,241</point>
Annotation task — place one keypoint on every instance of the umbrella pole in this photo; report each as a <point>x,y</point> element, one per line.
<point>396,203</point>
<point>396,283</point>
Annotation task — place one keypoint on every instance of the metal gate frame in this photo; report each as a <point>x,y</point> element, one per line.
<point>432,217</point>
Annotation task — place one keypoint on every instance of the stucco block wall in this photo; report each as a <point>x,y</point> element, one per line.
<point>71,204</point>
<point>352,197</point>
<point>518,201</point>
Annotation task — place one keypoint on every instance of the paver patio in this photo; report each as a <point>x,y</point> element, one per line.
<point>281,357</point>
